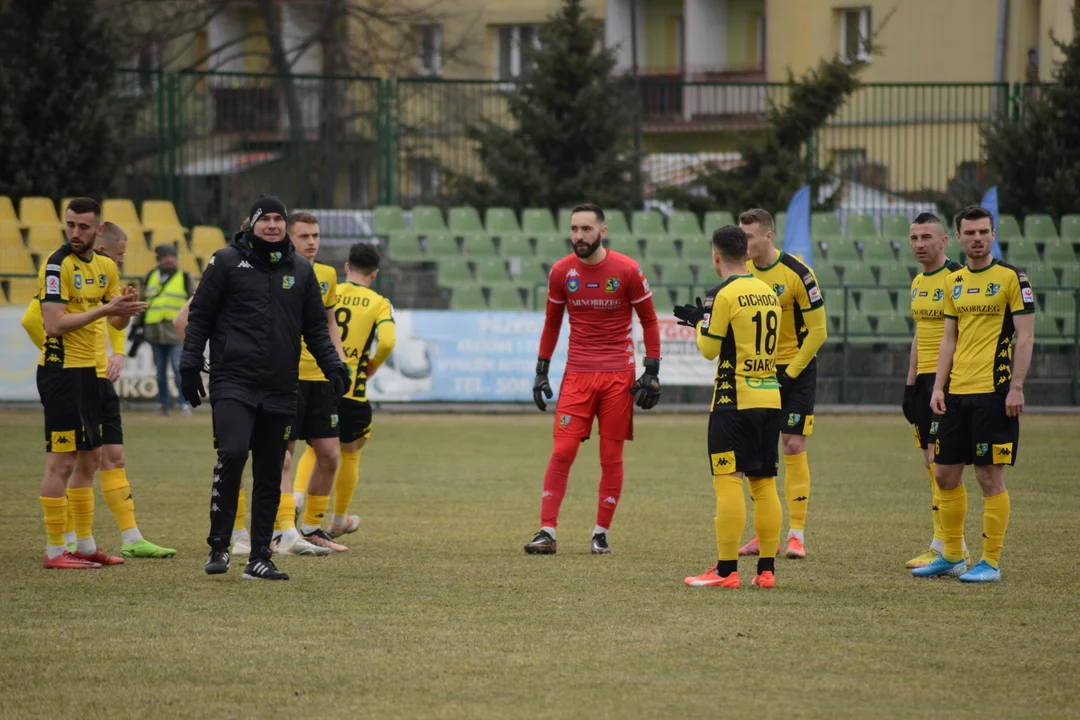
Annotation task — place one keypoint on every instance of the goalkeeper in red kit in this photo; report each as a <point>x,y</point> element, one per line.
<point>599,288</point>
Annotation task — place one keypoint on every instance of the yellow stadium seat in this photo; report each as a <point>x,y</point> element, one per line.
<point>10,236</point>
<point>158,214</point>
<point>16,262</point>
<point>7,211</point>
<point>138,263</point>
<point>63,208</point>
<point>122,212</point>
<point>168,236</point>
<point>38,211</point>
<point>206,240</point>
<point>44,239</point>
<point>22,290</point>
<point>190,264</point>
<point>136,238</point>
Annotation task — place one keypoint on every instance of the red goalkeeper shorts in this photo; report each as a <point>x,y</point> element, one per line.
<point>585,395</point>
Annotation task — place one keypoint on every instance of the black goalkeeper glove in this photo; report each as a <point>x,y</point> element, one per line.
<point>541,386</point>
<point>909,404</point>
<point>646,390</point>
<point>783,379</point>
<point>690,315</point>
<point>191,387</point>
<point>339,379</point>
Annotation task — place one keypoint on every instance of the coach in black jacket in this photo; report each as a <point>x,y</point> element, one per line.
<point>255,301</point>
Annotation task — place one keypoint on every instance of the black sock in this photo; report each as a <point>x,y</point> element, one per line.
<point>726,567</point>
<point>766,565</point>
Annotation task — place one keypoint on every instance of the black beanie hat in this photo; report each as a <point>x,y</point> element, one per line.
<point>267,204</point>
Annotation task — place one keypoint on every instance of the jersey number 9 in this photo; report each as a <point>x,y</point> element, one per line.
<point>771,325</point>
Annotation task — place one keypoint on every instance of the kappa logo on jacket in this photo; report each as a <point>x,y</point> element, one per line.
<point>245,264</point>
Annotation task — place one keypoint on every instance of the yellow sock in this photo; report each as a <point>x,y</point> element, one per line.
<point>730,515</point>
<point>241,510</point>
<point>345,481</point>
<point>315,510</point>
<point>117,492</point>
<point>995,522</point>
<point>939,534</point>
<point>768,515</point>
<point>56,510</point>
<point>286,512</point>
<point>796,490</point>
<point>952,511</point>
<point>304,466</point>
<point>69,523</point>
<point>82,510</point>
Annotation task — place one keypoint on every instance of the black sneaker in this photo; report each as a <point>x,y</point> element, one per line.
<point>542,544</point>
<point>259,569</point>
<point>599,544</point>
<point>218,564</point>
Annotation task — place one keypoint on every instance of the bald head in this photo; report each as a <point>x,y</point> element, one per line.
<point>112,242</point>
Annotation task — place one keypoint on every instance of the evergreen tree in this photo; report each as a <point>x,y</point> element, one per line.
<point>571,136</point>
<point>59,119</point>
<point>1034,156</point>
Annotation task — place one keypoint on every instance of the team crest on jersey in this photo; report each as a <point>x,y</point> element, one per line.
<point>981,449</point>
<point>78,281</point>
<point>778,289</point>
<point>334,420</point>
<point>572,284</point>
<point>957,289</point>
<point>288,281</point>
<point>102,280</point>
<point>938,295</point>
<point>324,287</point>
<point>793,419</point>
<point>992,289</point>
<point>915,293</point>
<point>934,427</point>
<point>611,285</point>
<point>564,420</point>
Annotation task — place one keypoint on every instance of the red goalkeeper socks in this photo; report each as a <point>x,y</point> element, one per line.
<point>611,480</point>
<point>556,477</point>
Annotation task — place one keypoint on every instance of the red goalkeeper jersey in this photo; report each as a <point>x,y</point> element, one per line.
<point>599,299</point>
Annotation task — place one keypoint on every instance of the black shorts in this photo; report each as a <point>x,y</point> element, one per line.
<point>316,412</point>
<point>112,427</point>
<point>797,401</point>
<point>355,420</point>
<point>924,416</point>
<point>745,441</point>
<point>975,431</point>
<point>72,415</point>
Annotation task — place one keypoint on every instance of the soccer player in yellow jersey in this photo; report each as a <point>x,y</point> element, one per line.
<point>111,242</point>
<point>928,238</point>
<point>802,333</point>
<point>78,287</point>
<point>366,319</point>
<point>739,324</point>
<point>316,422</point>
<point>979,394</point>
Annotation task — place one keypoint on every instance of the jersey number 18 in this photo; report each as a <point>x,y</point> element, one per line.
<point>771,325</point>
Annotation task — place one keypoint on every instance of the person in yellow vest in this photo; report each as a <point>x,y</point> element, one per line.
<point>165,289</point>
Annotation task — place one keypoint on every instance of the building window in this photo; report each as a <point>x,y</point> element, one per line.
<point>429,45</point>
<point>855,35</point>
<point>510,42</point>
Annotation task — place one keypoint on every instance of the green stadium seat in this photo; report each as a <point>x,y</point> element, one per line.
<point>626,245</point>
<point>478,245</point>
<point>876,302</point>
<point>501,221</point>
<point>953,250</point>
<point>1060,253</point>
<point>427,219</point>
<point>877,251</point>
<point>894,325</point>
<point>159,215</point>
<point>828,274</point>
<point>616,223</point>
<point>859,329</point>
<point>492,272</point>
<point>389,219</point>
<point>38,211</point>
<point>841,250</point>
<point>1008,229</point>
<point>895,227</point>
<point>1023,253</point>
<point>895,277</point>
<point>858,274</point>
<point>468,297</point>
<point>529,272</point>
<point>662,301</point>
<point>505,297</point>
<point>696,251</point>
<point>515,246</point>
<point>817,256</point>
<point>1070,228</point>
<point>442,245</point>
<point>1039,228</point>
<point>1058,302</point>
<point>1047,328</point>
<point>538,221</point>
<point>551,247</point>
<point>465,220</point>
<point>7,211</point>
<point>452,272</point>
<point>405,247</point>
<point>780,220</point>
<point>1042,276</point>
<point>834,320</point>
<point>715,219</point>
<point>682,295</point>
<point>661,249</point>
<point>683,223</point>
<point>860,227</point>
<point>824,226</point>
<point>1070,276</point>
<point>565,214</point>
<point>676,274</point>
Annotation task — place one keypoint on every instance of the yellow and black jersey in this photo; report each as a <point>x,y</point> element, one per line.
<point>82,285</point>
<point>365,318</point>
<point>327,277</point>
<point>800,297</point>
<point>34,325</point>
<point>983,302</point>
<point>742,331</point>
<point>928,312</point>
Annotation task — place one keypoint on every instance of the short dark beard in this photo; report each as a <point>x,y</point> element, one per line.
<point>590,251</point>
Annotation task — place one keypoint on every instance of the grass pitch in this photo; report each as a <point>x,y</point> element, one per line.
<point>436,612</point>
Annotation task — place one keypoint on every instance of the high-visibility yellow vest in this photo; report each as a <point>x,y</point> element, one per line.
<point>165,302</point>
